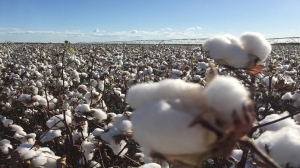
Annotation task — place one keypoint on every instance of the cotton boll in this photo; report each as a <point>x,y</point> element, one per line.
<point>296,96</point>
<point>99,114</point>
<point>7,122</point>
<point>108,136</point>
<point>166,89</point>
<point>82,108</point>
<point>225,95</point>
<point>5,146</point>
<point>94,164</point>
<point>16,128</point>
<point>228,50</point>
<point>287,96</point>
<point>169,129</point>
<point>117,147</point>
<point>98,131</point>
<point>124,126</point>
<point>256,44</point>
<point>50,135</point>
<point>283,145</point>
<point>288,122</point>
<point>87,146</point>
<point>39,161</point>
<point>150,165</point>
<point>101,85</point>
<point>56,121</point>
<point>266,80</point>
<point>237,154</point>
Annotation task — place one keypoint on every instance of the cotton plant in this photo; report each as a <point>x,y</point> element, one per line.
<point>282,145</point>
<point>182,119</point>
<point>244,52</point>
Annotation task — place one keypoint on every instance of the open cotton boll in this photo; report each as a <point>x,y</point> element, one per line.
<point>225,95</point>
<point>256,44</point>
<point>7,122</point>
<point>124,126</point>
<point>56,121</point>
<point>150,165</point>
<point>108,136</point>
<point>5,146</point>
<point>98,131</point>
<point>296,96</point>
<point>99,114</point>
<point>168,129</point>
<point>39,160</point>
<point>266,80</point>
<point>287,96</point>
<point>227,48</point>
<point>166,89</point>
<point>288,122</point>
<point>51,134</point>
<point>283,145</point>
<point>82,108</point>
<point>87,146</point>
<point>237,154</point>
<point>16,128</point>
<point>117,147</point>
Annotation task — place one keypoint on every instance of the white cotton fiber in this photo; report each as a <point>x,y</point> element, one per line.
<point>150,165</point>
<point>50,135</point>
<point>287,96</point>
<point>82,108</point>
<point>7,122</point>
<point>39,160</point>
<point>99,114</point>
<point>98,131</point>
<point>117,147</point>
<point>168,129</point>
<point>166,89</point>
<point>124,126</point>
<point>288,122</point>
<point>237,154</point>
<point>16,128</point>
<point>56,121</point>
<point>256,44</point>
<point>296,96</point>
<point>228,49</point>
<point>282,145</point>
<point>226,94</point>
<point>108,136</point>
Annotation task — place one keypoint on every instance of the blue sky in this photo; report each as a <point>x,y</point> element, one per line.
<point>124,20</point>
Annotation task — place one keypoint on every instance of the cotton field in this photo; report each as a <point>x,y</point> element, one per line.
<point>231,102</point>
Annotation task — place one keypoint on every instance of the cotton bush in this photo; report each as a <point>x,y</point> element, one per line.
<point>96,105</point>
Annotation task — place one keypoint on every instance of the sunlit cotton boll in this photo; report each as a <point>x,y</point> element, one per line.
<point>256,44</point>
<point>283,145</point>
<point>56,121</point>
<point>166,89</point>
<point>226,50</point>
<point>225,95</point>
<point>169,130</point>
<point>150,165</point>
<point>51,134</point>
<point>118,147</point>
<point>5,146</point>
<point>288,122</point>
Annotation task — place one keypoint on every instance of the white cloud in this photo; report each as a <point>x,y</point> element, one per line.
<point>167,29</point>
<point>3,28</point>
<point>97,31</point>
<point>67,32</point>
<point>194,28</point>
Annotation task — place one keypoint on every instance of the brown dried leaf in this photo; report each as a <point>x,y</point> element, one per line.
<point>62,162</point>
<point>256,69</point>
<point>280,85</point>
